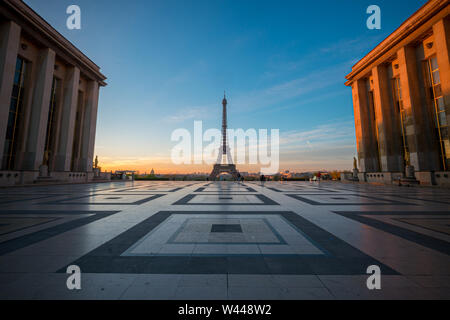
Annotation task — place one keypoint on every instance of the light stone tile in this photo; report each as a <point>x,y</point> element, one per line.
<point>177,249</point>
<point>211,249</point>
<point>275,249</point>
<point>20,275</point>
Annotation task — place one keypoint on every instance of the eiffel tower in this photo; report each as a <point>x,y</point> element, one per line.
<point>221,167</point>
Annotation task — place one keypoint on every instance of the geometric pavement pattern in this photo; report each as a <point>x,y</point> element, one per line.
<point>224,240</point>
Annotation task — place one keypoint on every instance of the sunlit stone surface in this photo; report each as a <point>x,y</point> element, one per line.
<point>224,240</point>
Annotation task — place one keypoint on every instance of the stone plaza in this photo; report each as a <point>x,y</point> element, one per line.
<point>224,240</point>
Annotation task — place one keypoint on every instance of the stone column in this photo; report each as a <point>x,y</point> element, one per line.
<point>441,31</point>
<point>387,122</point>
<point>365,133</point>
<point>67,128</point>
<point>89,127</point>
<point>418,129</point>
<point>9,47</point>
<point>39,111</point>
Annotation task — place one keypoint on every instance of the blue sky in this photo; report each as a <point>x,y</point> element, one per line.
<point>282,64</point>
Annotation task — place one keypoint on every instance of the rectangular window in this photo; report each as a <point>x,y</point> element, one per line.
<point>15,116</point>
<point>440,117</point>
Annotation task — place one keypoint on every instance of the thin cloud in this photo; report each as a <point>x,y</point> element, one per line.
<point>295,88</point>
<point>189,113</point>
<point>328,146</point>
<point>325,132</point>
<point>353,46</point>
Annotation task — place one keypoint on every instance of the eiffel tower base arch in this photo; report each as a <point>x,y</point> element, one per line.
<point>223,168</point>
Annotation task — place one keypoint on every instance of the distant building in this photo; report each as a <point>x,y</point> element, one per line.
<point>401,99</point>
<point>303,175</point>
<point>48,100</point>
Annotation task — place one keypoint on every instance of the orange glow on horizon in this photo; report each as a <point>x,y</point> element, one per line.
<point>168,168</point>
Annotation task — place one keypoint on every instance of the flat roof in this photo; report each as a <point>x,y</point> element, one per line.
<point>424,14</point>
<point>32,23</point>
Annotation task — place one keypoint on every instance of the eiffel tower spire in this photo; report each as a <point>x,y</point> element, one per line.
<point>224,124</point>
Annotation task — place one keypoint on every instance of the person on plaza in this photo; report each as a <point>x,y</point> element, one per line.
<point>262,179</point>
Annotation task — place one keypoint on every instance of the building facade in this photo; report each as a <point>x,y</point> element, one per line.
<point>401,100</point>
<point>48,101</point>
